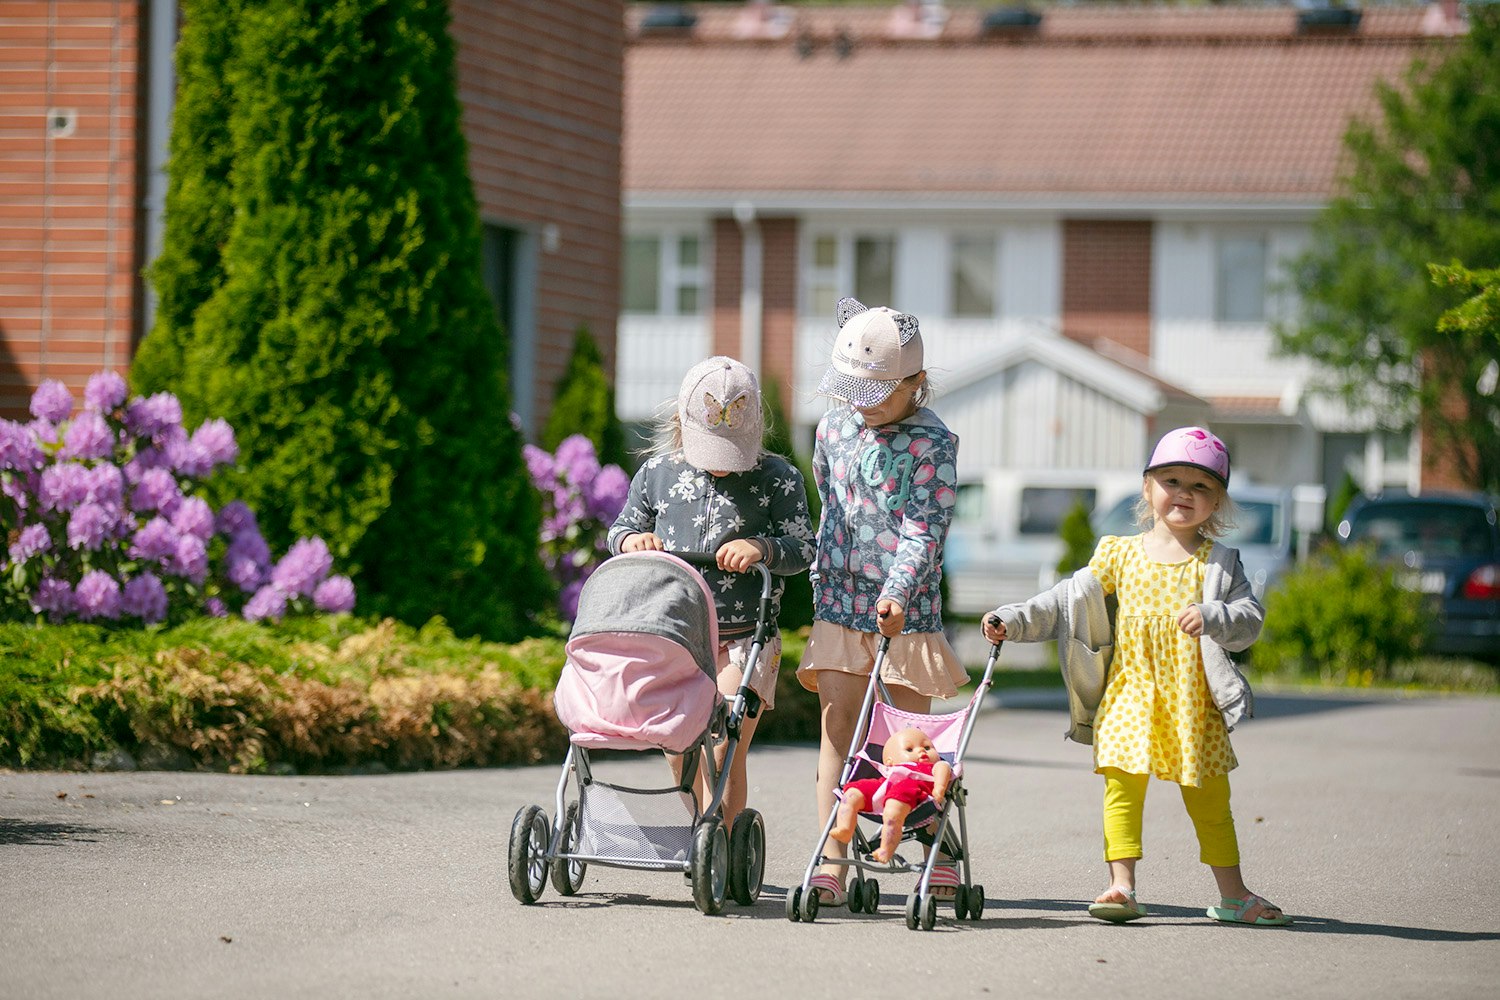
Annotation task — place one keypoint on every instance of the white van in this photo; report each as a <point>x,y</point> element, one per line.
<point>1003,545</point>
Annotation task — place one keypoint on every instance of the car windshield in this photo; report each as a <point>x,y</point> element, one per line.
<point>1442,531</point>
<point>1256,522</point>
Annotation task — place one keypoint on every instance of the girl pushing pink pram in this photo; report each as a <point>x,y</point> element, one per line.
<point>641,675</point>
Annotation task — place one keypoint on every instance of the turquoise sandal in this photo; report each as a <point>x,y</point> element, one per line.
<point>1251,910</point>
<point>1119,913</point>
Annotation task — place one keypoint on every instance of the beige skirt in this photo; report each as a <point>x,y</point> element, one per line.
<point>921,661</point>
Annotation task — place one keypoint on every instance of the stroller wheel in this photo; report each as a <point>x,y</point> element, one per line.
<point>527,864</point>
<point>929,912</point>
<point>710,865</point>
<point>960,901</point>
<point>856,901</point>
<point>976,902</point>
<point>747,857</point>
<point>913,910</point>
<point>567,876</point>
<point>809,906</point>
<point>794,903</point>
<point>872,895</point>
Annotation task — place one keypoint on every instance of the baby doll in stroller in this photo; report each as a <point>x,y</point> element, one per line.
<point>915,773</point>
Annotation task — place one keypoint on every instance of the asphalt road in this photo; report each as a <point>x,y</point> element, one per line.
<point>1374,820</point>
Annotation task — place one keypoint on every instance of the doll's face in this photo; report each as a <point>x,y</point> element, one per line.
<point>910,746</point>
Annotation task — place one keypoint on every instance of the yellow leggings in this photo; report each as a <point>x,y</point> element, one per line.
<point>1207,806</point>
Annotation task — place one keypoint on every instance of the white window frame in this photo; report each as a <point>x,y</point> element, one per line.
<point>673,275</point>
<point>974,235</point>
<point>1221,276</point>
<point>840,277</point>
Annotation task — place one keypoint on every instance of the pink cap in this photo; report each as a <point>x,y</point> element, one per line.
<point>1192,446</point>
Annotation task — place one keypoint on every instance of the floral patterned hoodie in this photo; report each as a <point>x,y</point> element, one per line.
<point>694,511</point>
<point>888,494</point>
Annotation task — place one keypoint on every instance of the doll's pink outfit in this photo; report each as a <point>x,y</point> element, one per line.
<point>909,783</point>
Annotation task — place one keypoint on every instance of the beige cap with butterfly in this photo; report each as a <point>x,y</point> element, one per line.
<point>720,413</point>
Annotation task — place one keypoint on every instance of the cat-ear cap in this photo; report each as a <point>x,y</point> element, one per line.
<point>873,351</point>
<point>719,410</point>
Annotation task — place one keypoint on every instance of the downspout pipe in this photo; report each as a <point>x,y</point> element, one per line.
<point>752,297</point>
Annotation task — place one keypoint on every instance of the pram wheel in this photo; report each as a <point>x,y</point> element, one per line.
<point>527,866</point>
<point>794,903</point>
<point>871,894</point>
<point>747,857</point>
<point>710,865</point>
<point>921,911</point>
<point>976,902</point>
<point>567,876</point>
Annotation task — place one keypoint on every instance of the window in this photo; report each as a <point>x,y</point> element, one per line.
<point>1240,289</point>
<point>1044,507</point>
<point>969,502</point>
<point>860,265</point>
<point>874,270</point>
<point>663,274</point>
<point>972,276</point>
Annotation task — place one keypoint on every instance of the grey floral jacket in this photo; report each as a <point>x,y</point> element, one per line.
<point>694,511</point>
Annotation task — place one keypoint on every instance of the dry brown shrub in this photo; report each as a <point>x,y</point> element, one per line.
<point>446,721</point>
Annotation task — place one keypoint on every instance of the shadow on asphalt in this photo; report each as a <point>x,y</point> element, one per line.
<point>1267,706</point>
<point>31,832</point>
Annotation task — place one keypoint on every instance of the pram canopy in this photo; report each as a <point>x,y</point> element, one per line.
<point>641,658</point>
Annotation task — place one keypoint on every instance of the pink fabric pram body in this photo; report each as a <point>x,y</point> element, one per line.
<point>642,657</point>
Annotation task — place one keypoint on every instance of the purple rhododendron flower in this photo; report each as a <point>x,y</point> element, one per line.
<point>235,517</point>
<point>334,594</point>
<point>52,401</point>
<point>19,491</point>
<point>54,597</point>
<point>194,517</point>
<point>607,493</point>
<point>18,448</point>
<point>145,598</point>
<point>304,566</point>
<point>153,415</point>
<point>538,465</point>
<point>157,490</point>
<point>97,596</point>
<point>576,461</point>
<point>190,561</point>
<point>268,602</point>
<point>89,525</point>
<point>43,431</point>
<point>33,540</point>
<point>104,391</point>
<point>214,608</point>
<point>63,486</point>
<point>212,444</point>
<point>106,484</point>
<point>248,560</point>
<point>156,541</point>
<point>567,599</point>
<point>88,436</point>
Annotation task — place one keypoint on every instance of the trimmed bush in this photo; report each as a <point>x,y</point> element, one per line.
<point>585,404</point>
<point>1342,618</point>
<point>339,320</point>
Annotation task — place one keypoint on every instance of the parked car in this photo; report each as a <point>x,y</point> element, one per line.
<point>1444,545</point>
<point>1262,531</point>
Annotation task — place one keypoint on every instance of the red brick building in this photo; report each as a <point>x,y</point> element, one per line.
<point>85,96</point>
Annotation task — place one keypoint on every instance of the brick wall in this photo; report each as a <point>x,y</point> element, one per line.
<point>729,262</point>
<point>68,243</point>
<point>779,309</point>
<point>1107,281</point>
<point>542,88</point>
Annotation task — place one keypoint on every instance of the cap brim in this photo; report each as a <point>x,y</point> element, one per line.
<point>1189,465</point>
<point>861,392</point>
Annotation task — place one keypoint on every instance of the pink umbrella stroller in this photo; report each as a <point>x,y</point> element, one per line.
<point>640,675</point>
<point>927,823</point>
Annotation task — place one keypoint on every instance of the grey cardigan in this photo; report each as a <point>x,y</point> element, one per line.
<point>1075,613</point>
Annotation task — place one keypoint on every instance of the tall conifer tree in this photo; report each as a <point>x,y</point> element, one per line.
<point>346,333</point>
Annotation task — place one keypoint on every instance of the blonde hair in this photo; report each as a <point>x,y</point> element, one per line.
<point>1219,523</point>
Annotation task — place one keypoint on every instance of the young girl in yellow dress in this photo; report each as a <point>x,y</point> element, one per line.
<point>1165,702</point>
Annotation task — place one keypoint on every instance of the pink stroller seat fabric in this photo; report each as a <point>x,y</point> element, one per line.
<point>945,731</point>
<point>641,668</point>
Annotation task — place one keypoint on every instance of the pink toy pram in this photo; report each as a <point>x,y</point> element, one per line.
<point>641,675</point>
<point>927,823</point>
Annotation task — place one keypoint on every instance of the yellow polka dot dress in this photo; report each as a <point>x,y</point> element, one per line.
<point>1157,716</point>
